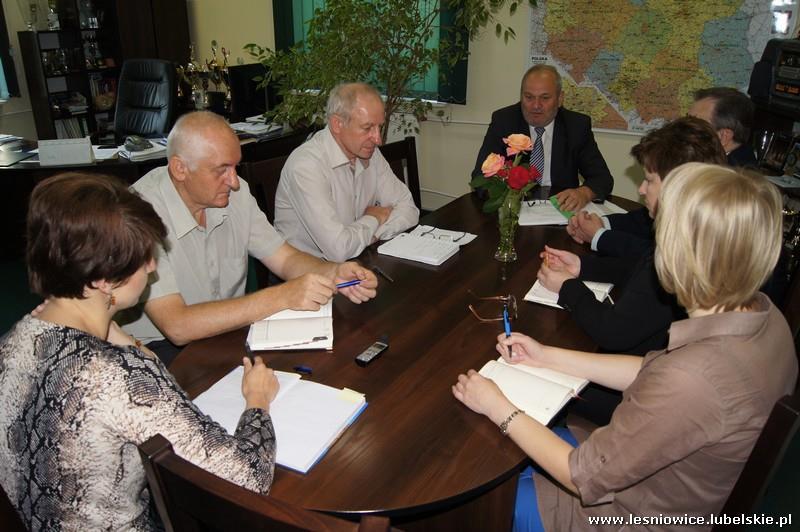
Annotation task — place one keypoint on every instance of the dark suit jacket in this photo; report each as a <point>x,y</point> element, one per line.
<point>631,235</point>
<point>574,149</point>
<point>743,156</point>
<point>639,321</point>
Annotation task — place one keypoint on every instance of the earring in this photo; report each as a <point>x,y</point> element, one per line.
<point>111,300</point>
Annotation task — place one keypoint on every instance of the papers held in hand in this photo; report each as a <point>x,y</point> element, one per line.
<point>307,416</point>
<point>293,329</point>
<point>540,392</point>
<point>540,294</point>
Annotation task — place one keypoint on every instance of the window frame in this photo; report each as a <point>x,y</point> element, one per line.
<point>452,83</point>
<point>9,68</point>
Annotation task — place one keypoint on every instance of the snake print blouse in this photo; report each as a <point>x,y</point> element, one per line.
<point>73,408</point>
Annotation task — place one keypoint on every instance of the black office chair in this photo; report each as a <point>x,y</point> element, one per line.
<point>146,99</point>
<point>190,498</point>
<point>402,157</point>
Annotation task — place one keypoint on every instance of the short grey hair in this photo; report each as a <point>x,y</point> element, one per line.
<point>187,139</point>
<point>342,99</point>
<point>732,110</point>
<point>539,69</point>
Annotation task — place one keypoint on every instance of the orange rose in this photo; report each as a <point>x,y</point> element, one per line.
<point>492,164</point>
<point>517,143</point>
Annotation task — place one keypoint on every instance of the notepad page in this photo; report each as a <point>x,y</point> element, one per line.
<point>542,212</point>
<point>308,421</point>
<point>224,403</point>
<point>575,384</point>
<point>539,294</point>
<point>325,311</point>
<point>291,334</point>
<point>539,398</point>
<point>426,250</point>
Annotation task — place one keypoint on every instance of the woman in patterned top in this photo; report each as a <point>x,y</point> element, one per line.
<point>77,394</point>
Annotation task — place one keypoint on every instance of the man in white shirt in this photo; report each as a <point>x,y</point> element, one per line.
<point>213,224</point>
<point>337,194</point>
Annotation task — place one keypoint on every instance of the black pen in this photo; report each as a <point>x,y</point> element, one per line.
<point>383,273</point>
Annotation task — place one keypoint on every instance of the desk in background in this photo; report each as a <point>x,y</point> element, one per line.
<point>19,180</point>
<point>415,454</point>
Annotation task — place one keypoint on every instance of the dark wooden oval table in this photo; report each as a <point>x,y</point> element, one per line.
<point>415,454</point>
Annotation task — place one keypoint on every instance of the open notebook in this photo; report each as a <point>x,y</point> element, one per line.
<point>540,294</point>
<point>308,417</point>
<point>540,392</point>
<point>293,329</point>
<point>431,251</point>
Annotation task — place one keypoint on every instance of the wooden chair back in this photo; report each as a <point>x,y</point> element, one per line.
<point>189,498</point>
<point>402,157</point>
<point>263,178</point>
<point>9,518</point>
<point>765,459</point>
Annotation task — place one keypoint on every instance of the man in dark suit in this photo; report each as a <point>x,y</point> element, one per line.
<point>730,112</point>
<point>567,141</point>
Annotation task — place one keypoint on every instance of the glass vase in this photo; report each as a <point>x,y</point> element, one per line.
<point>508,218</point>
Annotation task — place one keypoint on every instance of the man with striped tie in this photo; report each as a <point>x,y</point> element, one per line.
<point>563,143</point>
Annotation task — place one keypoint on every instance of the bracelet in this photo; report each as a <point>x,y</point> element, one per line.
<point>504,424</point>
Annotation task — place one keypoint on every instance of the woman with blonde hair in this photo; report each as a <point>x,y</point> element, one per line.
<point>77,394</point>
<point>691,413</point>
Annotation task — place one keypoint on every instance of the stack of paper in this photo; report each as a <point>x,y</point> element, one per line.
<point>308,417</point>
<point>543,212</point>
<point>294,329</point>
<point>457,237</point>
<point>540,294</point>
<point>419,248</point>
<point>540,392</point>
<point>157,151</point>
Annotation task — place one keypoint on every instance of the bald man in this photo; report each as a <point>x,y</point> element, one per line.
<point>213,225</point>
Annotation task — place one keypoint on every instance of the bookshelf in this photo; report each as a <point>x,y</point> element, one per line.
<point>72,69</point>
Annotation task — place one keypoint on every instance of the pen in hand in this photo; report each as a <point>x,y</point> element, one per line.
<point>507,327</point>
<point>348,283</point>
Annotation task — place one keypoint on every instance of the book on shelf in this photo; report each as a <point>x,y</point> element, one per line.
<point>293,329</point>
<point>539,294</point>
<point>418,248</point>
<point>540,392</point>
<point>308,417</point>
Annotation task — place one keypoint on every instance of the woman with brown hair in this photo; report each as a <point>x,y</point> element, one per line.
<point>77,394</point>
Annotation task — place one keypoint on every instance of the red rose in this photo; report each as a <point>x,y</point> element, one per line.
<point>534,173</point>
<point>518,177</point>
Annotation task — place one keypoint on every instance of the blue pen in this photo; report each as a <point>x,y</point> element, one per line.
<point>303,369</point>
<point>348,283</point>
<point>507,327</point>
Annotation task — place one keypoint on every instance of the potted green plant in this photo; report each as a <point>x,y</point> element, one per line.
<point>383,43</point>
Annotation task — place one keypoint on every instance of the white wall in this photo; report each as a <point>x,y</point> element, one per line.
<point>16,117</point>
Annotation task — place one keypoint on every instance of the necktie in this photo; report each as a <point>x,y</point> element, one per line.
<point>537,154</point>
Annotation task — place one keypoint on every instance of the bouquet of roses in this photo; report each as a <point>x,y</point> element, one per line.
<point>509,174</point>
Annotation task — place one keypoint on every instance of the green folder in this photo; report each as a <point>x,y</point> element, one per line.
<point>566,214</point>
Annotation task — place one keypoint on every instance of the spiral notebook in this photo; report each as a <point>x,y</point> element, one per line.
<point>431,251</point>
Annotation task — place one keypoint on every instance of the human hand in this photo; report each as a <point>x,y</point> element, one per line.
<point>524,349</point>
<point>117,336</point>
<point>482,395</point>
<point>574,199</point>
<point>561,261</point>
<point>39,308</point>
<point>307,292</point>
<point>555,270</point>
<point>259,384</point>
<point>365,290</point>
<point>583,226</point>
<point>380,213</point>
